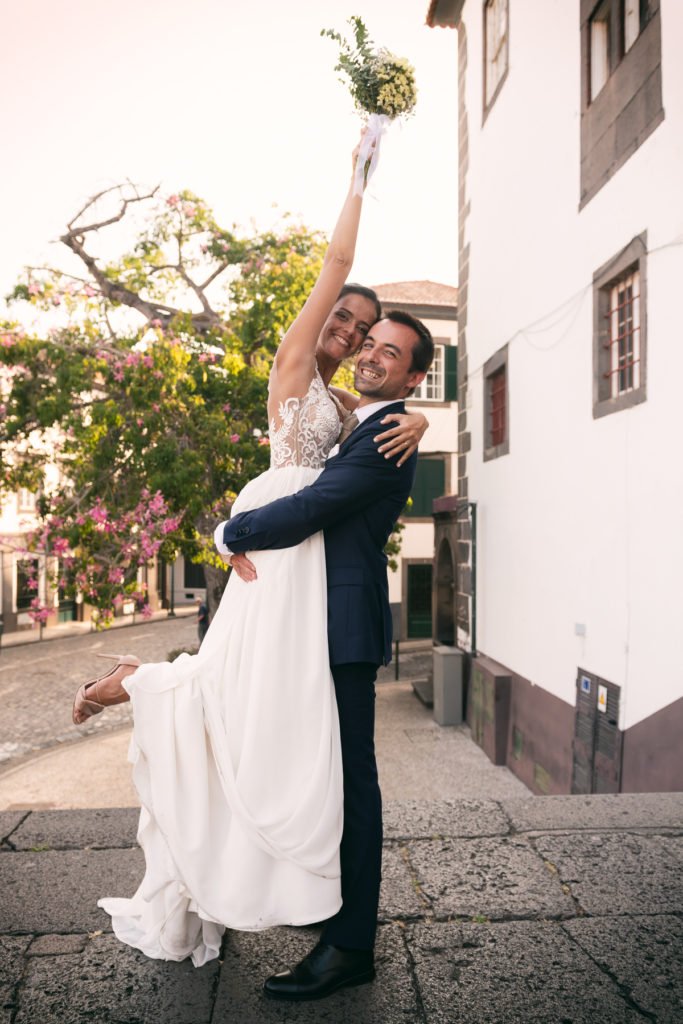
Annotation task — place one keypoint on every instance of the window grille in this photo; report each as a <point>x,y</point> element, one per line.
<point>497,392</point>
<point>623,335</point>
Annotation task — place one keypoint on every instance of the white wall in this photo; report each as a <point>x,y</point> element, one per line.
<point>581,522</point>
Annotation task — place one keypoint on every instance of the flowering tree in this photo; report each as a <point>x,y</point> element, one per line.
<point>141,376</point>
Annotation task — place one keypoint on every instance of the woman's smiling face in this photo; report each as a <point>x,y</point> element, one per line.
<point>346,327</point>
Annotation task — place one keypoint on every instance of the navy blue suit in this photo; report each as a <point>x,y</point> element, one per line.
<point>356,500</point>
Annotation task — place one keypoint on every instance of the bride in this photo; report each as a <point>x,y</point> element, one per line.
<point>235,750</point>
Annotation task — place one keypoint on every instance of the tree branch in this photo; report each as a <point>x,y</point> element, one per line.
<point>115,291</point>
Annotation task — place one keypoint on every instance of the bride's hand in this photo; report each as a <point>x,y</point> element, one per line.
<point>244,567</point>
<point>403,439</point>
<point>354,155</point>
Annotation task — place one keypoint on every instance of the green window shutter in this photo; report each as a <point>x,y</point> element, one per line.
<point>451,373</point>
<point>430,483</point>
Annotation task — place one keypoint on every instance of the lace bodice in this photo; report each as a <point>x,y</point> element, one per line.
<point>308,428</point>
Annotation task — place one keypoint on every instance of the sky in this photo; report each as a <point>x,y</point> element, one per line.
<point>236,101</point>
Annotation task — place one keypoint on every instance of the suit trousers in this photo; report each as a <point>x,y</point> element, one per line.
<point>354,926</point>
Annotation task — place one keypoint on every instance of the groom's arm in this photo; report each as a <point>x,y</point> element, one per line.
<point>346,486</point>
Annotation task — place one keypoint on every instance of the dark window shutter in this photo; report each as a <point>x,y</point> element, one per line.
<point>451,373</point>
<point>430,483</point>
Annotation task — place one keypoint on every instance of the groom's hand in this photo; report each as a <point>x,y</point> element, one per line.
<point>244,567</point>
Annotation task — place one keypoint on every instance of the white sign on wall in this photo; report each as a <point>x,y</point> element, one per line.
<point>602,698</point>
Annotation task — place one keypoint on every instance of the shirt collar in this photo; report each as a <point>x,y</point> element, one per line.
<point>367,410</point>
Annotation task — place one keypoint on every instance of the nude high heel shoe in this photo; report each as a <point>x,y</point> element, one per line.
<point>85,707</point>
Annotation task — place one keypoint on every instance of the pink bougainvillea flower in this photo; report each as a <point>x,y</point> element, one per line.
<point>60,545</point>
<point>234,438</point>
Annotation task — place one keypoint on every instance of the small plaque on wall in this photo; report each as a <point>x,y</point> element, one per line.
<point>602,698</point>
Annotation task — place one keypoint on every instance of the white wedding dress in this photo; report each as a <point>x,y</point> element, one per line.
<point>236,750</point>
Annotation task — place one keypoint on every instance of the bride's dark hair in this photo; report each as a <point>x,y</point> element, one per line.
<point>367,293</point>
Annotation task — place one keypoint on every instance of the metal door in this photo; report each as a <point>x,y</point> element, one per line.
<point>597,739</point>
<point>419,600</point>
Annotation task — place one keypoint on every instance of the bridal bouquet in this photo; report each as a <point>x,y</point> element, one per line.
<point>382,86</point>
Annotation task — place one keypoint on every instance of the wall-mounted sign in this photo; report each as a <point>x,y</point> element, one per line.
<point>602,698</point>
<point>585,684</point>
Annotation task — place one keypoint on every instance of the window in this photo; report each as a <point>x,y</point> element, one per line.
<point>441,382</point>
<point>619,321</point>
<point>621,85</point>
<point>614,27</point>
<point>623,334</point>
<point>600,47</point>
<point>430,483</point>
<point>495,48</point>
<point>26,500</point>
<point>496,413</point>
<point>26,577</point>
<point>636,13</point>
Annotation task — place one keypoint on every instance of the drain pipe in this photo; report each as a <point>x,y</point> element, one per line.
<point>473,520</point>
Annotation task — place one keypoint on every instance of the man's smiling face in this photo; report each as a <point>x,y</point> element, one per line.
<point>384,364</point>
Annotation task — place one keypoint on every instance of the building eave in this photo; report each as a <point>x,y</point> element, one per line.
<point>444,13</point>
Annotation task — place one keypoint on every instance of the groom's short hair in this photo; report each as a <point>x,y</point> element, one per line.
<point>423,348</point>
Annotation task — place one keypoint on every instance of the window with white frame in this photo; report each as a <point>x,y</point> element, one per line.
<point>26,500</point>
<point>619,336</point>
<point>495,48</point>
<point>623,338</point>
<point>432,388</point>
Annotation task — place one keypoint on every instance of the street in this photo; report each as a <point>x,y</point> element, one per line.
<point>38,682</point>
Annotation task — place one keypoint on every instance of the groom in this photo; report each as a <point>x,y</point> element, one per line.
<point>356,500</point>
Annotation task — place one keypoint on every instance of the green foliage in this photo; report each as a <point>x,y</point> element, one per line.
<point>148,371</point>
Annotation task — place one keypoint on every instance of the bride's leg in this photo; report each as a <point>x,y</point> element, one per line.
<point>97,694</point>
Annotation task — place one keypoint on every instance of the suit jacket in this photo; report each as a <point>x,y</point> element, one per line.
<point>356,500</point>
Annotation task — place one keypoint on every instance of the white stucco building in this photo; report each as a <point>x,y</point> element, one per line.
<point>410,587</point>
<point>567,545</point>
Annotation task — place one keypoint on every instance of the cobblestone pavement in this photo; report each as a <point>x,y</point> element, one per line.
<point>38,681</point>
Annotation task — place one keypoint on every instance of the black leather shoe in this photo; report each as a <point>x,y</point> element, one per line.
<point>322,972</point>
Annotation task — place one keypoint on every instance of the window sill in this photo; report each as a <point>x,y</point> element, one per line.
<point>496,451</point>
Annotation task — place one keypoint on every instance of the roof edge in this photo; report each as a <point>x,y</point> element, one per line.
<point>444,13</point>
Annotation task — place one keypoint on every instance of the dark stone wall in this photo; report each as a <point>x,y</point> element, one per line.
<point>652,755</point>
<point>540,739</point>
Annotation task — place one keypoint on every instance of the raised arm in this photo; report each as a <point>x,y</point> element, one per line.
<point>295,358</point>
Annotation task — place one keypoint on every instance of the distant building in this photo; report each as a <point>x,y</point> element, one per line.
<point>410,588</point>
<point>560,551</point>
